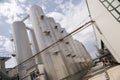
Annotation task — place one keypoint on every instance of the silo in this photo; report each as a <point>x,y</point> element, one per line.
<point>79,53</point>
<point>65,51</point>
<point>76,57</point>
<point>56,33</point>
<point>54,63</point>
<point>84,52</point>
<point>23,49</point>
<point>67,43</point>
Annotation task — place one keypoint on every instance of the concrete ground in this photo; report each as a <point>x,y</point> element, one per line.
<point>98,73</point>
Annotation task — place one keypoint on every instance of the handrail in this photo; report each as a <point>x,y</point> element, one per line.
<point>114,8</point>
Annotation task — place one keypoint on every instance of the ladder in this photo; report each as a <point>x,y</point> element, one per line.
<point>113,6</point>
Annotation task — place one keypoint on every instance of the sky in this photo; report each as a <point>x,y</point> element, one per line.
<point>69,13</point>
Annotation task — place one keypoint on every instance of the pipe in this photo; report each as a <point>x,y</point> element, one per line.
<point>73,32</point>
<point>25,18</point>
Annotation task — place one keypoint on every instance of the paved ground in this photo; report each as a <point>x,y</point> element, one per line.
<point>98,73</point>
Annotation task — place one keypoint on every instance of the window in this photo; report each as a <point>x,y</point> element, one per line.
<point>34,75</point>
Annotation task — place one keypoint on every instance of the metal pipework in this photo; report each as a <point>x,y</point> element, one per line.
<point>34,45</point>
<point>29,28</point>
<point>23,49</point>
<point>25,18</point>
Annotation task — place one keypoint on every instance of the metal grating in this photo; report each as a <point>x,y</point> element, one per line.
<point>113,6</point>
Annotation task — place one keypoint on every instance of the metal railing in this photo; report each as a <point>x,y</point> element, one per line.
<point>113,6</point>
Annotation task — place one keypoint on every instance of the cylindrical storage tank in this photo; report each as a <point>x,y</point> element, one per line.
<point>66,49</point>
<point>69,52</point>
<point>79,54</point>
<point>35,47</point>
<point>36,14</point>
<point>61,69</point>
<point>42,30</point>
<point>84,52</point>
<point>56,34</point>
<point>76,57</point>
<point>23,49</point>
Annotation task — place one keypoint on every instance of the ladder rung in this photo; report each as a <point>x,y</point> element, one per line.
<point>119,17</point>
<point>102,1</point>
<point>117,6</point>
<point>110,3</point>
<point>113,8</point>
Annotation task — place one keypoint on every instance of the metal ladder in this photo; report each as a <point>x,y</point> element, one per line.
<point>113,6</point>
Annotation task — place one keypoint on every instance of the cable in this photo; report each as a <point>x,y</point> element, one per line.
<point>81,27</point>
<point>65,37</point>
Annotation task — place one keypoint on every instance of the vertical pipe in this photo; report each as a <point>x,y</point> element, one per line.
<point>35,46</point>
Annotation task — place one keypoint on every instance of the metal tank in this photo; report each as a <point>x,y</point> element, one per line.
<point>35,46</point>
<point>79,53</point>
<point>70,63</point>
<point>23,50</point>
<point>86,58</point>
<point>42,30</point>
<point>67,43</point>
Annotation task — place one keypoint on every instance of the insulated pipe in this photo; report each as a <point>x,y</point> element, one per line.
<point>25,18</point>
<point>35,46</point>
<point>23,49</point>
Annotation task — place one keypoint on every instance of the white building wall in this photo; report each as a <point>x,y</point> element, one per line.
<point>108,25</point>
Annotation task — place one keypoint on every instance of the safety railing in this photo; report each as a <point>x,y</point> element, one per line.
<point>113,6</point>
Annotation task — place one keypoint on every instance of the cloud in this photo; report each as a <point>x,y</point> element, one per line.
<point>68,14</point>
<point>22,1</point>
<point>57,16</point>
<point>11,63</point>
<point>71,17</point>
<point>12,10</point>
<point>58,1</point>
<point>5,47</point>
<point>87,37</point>
<point>6,50</point>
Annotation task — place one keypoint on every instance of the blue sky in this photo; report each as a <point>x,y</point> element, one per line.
<point>69,13</point>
